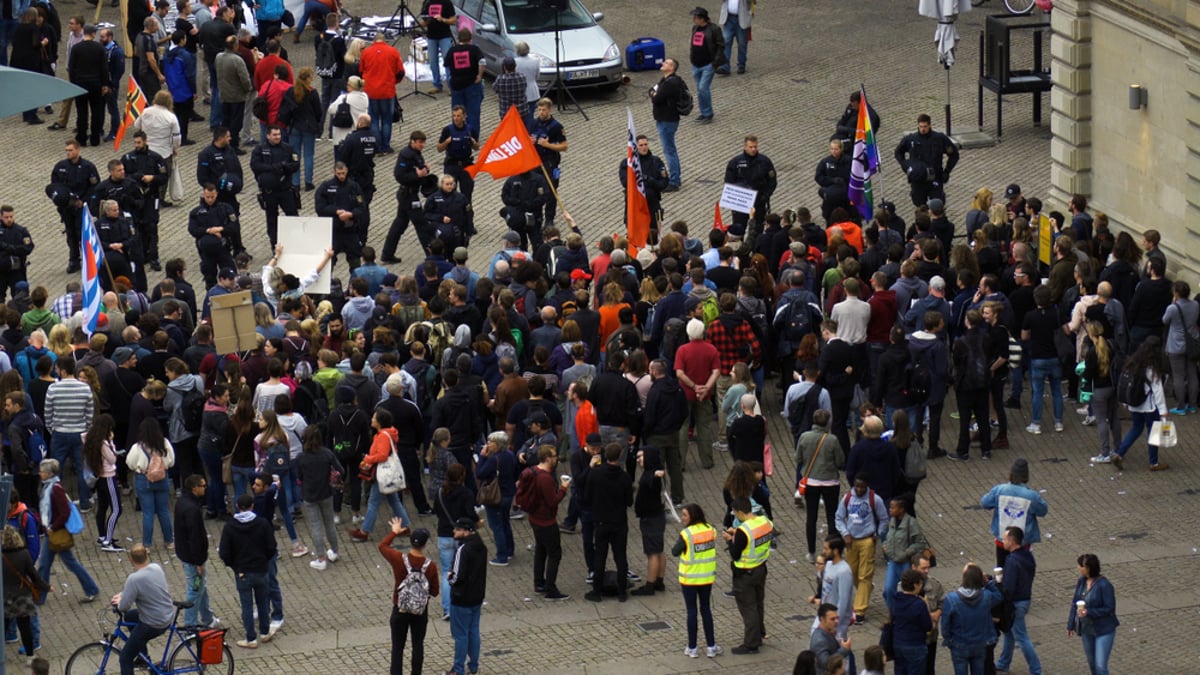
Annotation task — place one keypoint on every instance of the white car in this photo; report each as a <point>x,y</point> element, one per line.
<point>586,53</point>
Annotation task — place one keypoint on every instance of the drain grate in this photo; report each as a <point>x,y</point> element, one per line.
<point>1055,460</point>
<point>499,652</point>
<point>651,626</point>
<point>798,617</point>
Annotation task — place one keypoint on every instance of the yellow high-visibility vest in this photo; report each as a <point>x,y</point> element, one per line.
<point>758,533</point>
<point>698,564</point>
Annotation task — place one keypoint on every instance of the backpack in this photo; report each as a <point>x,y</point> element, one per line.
<point>917,381</point>
<point>793,322</point>
<point>344,442</point>
<point>156,469</point>
<point>411,315</point>
<point>710,308</point>
<point>261,108</point>
<point>870,500</point>
<point>36,446</point>
<point>673,336</point>
<point>326,63</point>
<point>800,414</point>
<point>342,117</point>
<point>685,103</point>
<point>412,595</point>
<point>1131,386</point>
<point>191,409</point>
<point>310,402</point>
<point>425,376</point>
<point>914,462</point>
<point>524,499</point>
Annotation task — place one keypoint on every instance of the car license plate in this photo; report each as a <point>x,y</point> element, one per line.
<point>583,74</point>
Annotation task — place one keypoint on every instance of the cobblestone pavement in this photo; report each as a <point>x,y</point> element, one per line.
<point>804,61</point>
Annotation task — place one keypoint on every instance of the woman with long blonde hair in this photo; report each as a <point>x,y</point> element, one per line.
<point>301,110</point>
<point>978,214</point>
<point>59,341</point>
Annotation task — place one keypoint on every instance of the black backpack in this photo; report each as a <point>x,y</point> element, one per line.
<point>1131,386</point>
<point>793,323</point>
<point>685,104</point>
<point>191,409</point>
<point>801,413</point>
<point>342,117</point>
<point>917,381</point>
<point>673,336</point>
<point>326,63</point>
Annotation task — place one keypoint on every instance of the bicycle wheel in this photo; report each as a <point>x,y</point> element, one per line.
<point>1019,6</point>
<point>94,659</point>
<point>186,659</point>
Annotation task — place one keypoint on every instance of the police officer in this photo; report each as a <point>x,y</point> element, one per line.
<point>15,247</point>
<point>655,178</point>
<point>215,227</point>
<point>550,139</point>
<point>752,170</point>
<point>219,165</point>
<point>833,177</point>
<point>124,191</point>
<point>847,124</point>
<point>459,141</point>
<point>273,164</point>
<point>449,215</point>
<point>357,152</point>
<point>150,171</point>
<point>412,174</point>
<point>71,181</point>
<point>920,156</point>
<point>342,199</point>
<point>524,196</point>
<point>119,241</point>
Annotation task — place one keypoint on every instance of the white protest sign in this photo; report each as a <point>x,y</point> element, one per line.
<point>304,240</point>
<point>737,198</point>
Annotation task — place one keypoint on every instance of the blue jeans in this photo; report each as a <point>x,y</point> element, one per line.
<point>666,136</point>
<point>283,504</point>
<point>393,501</point>
<point>214,497</point>
<point>312,8</point>
<point>70,443</point>
<point>274,595</point>
<point>1043,368</point>
<point>464,626</point>
<point>892,581</point>
<point>888,411</point>
<point>252,592</point>
<point>214,110</point>
<point>701,596</point>
<point>303,143</point>
<point>381,111</point>
<point>733,30</point>
<point>46,561</point>
<point>437,52</point>
<point>703,76</point>
<point>910,659</point>
<point>446,548</point>
<point>501,526</point>
<point>139,636</point>
<point>470,98</point>
<point>1142,421</point>
<point>1097,648</point>
<point>7,28</point>
<point>197,593</point>
<point>242,477</point>
<point>1020,635</point>
<point>968,661</point>
<point>155,501</point>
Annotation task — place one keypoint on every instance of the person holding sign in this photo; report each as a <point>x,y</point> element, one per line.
<point>752,171</point>
<point>464,65</point>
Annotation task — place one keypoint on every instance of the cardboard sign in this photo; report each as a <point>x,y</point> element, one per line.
<point>233,322</point>
<point>1045,237</point>
<point>304,240</point>
<point>738,198</point>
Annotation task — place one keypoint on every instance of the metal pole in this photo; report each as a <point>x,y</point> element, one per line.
<point>948,131</point>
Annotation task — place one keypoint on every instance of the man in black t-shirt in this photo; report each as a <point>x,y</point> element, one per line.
<point>708,53</point>
<point>464,65</point>
<point>437,16</point>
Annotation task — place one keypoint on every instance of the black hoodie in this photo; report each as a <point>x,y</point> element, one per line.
<point>648,502</point>
<point>666,407</point>
<point>468,573</point>
<point>247,543</point>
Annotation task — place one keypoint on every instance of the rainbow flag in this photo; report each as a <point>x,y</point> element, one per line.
<point>135,103</point>
<point>865,162</point>
<point>92,255</point>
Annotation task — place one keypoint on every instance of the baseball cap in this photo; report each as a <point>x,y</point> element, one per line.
<point>937,206</point>
<point>460,254</point>
<point>419,537</point>
<point>1012,190</point>
<point>577,274</point>
<point>465,523</point>
<point>512,237</point>
<point>593,439</point>
<point>390,279</point>
<point>690,303</point>
<point>227,273</point>
<point>121,355</point>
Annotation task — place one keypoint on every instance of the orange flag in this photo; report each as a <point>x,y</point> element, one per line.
<point>135,103</point>
<point>509,150</point>
<point>718,224</point>
<point>637,209</point>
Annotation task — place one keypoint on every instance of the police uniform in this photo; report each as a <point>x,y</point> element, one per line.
<point>551,130</point>
<point>459,155</point>
<point>15,247</point>
<point>119,230</point>
<point>221,167</point>
<point>138,165</point>
<point>124,192</point>
<point>750,578</point>
<point>348,236</point>
<point>833,177</point>
<point>455,206</point>
<point>408,201</point>
<point>920,156</point>
<point>70,183</point>
<point>215,252</point>
<point>756,173</point>
<point>524,196</point>
<point>655,179</point>
<point>273,167</point>
<point>357,151</point>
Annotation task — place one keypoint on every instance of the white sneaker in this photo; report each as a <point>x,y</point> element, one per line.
<point>337,520</point>
<point>332,555</point>
<point>693,652</point>
<point>356,519</point>
<point>1090,420</point>
<point>715,651</point>
<point>299,550</point>
<point>1034,428</point>
<point>276,625</point>
<point>214,623</point>
<point>1081,410</point>
<point>1058,427</point>
<point>1102,459</point>
<point>247,644</point>
<point>318,564</point>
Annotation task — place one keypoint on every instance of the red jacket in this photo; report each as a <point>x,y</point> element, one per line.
<point>399,571</point>
<point>549,493</point>
<point>381,68</point>
<point>264,72</point>
<point>380,448</point>
<point>883,316</point>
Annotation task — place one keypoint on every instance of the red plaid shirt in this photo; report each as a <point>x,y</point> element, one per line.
<point>732,344</point>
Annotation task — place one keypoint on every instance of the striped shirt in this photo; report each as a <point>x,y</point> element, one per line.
<point>69,406</point>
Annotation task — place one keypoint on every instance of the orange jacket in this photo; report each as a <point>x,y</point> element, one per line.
<point>380,448</point>
<point>852,233</point>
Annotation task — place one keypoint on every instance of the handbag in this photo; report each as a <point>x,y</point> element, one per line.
<point>74,521</point>
<point>1162,434</point>
<point>24,580</point>
<point>175,185</point>
<point>803,486</point>
<point>389,474</point>
<point>60,540</point>
<point>768,460</point>
<point>397,112</point>
<point>489,492</point>
<point>227,463</point>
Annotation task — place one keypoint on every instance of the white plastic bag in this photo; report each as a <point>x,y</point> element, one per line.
<point>1162,435</point>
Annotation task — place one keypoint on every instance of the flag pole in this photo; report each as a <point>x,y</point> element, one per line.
<point>552,190</point>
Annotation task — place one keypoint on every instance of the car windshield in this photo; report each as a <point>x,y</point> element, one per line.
<point>537,16</point>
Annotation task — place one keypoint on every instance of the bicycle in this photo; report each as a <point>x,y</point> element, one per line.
<point>97,658</point>
<point>1013,6</point>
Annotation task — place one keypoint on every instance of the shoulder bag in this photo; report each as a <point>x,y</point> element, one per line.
<point>803,486</point>
<point>389,474</point>
<point>24,580</point>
